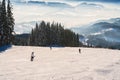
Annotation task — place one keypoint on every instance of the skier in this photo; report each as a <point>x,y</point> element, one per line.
<point>32,56</point>
<point>79,50</point>
<point>50,48</point>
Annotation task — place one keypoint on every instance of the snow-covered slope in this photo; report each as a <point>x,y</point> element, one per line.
<point>59,64</point>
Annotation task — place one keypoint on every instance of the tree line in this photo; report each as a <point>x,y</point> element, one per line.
<point>6,23</point>
<point>46,34</point>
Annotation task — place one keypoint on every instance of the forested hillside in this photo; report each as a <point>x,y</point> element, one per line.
<point>47,34</point>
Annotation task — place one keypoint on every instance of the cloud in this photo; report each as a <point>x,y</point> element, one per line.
<point>97,0</point>
<point>114,1</point>
<point>85,13</point>
<point>90,5</point>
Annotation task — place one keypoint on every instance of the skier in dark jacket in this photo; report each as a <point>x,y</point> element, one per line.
<point>32,56</point>
<point>79,50</point>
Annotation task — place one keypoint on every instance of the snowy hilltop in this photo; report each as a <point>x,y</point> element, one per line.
<point>59,64</point>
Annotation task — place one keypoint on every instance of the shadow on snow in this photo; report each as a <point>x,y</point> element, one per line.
<point>3,48</point>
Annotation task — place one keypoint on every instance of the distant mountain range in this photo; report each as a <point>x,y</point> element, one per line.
<point>24,27</point>
<point>104,33</point>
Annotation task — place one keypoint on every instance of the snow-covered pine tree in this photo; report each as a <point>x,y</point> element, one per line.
<point>10,22</point>
<point>4,23</point>
<point>48,34</point>
<point>53,34</point>
<point>60,33</point>
<point>1,31</point>
<point>31,39</point>
<point>42,34</point>
<point>36,34</point>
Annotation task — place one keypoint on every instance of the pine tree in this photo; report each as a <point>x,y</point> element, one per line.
<point>43,34</point>
<point>31,40</point>
<point>35,34</point>
<point>10,21</point>
<point>1,30</point>
<point>4,24</point>
<point>48,33</point>
<point>77,40</point>
<point>60,34</point>
<point>54,34</point>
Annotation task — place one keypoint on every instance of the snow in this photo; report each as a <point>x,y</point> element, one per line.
<point>102,31</point>
<point>59,64</point>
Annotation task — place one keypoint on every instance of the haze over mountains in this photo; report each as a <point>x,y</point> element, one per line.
<point>103,33</point>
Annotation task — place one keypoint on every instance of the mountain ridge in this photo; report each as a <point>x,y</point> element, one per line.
<point>104,33</point>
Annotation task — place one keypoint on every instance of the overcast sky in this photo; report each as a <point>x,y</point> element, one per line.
<point>114,1</point>
<point>87,0</point>
<point>80,13</point>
